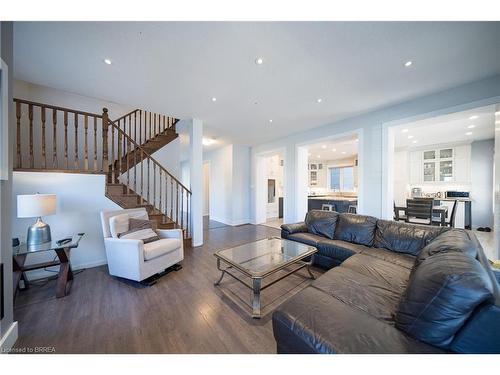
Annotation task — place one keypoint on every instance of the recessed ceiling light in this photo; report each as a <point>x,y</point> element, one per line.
<point>410,136</point>
<point>271,120</point>
<point>468,133</point>
<point>404,131</point>
<point>473,117</point>
<point>472,126</point>
<point>319,156</point>
<point>214,99</point>
<point>208,141</point>
<point>356,140</point>
<point>343,152</point>
<point>323,147</point>
<point>107,61</point>
<point>408,63</point>
<point>334,149</point>
<point>259,61</point>
<point>415,141</point>
<point>319,100</point>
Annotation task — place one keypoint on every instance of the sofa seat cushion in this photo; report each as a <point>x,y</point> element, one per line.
<point>403,260</point>
<point>455,240</point>
<point>360,292</point>
<point>404,238</point>
<point>442,293</point>
<point>321,222</point>
<point>338,250</point>
<point>306,238</point>
<point>358,229</point>
<point>161,247</point>
<point>393,276</point>
<point>314,322</point>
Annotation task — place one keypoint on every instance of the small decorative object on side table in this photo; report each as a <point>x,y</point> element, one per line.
<point>62,249</point>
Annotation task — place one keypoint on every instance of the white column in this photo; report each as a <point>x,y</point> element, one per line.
<point>301,201</point>
<point>196,179</point>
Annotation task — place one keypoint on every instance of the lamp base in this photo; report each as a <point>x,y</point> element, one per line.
<point>38,233</point>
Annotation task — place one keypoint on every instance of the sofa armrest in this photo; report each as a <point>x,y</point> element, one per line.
<point>124,257</point>
<point>170,233</point>
<point>294,228</point>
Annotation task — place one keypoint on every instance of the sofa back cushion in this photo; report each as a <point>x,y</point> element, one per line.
<point>357,229</point>
<point>321,222</point>
<point>403,237</point>
<point>442,293</point>
<point>455,240</point>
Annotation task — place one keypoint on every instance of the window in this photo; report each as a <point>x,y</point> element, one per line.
<point>341,178</point>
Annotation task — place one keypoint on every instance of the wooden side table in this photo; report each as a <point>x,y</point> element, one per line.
<point>65,274</point>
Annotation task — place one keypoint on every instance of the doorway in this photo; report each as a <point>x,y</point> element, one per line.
<point>270,192</point>
<point>449,159</point>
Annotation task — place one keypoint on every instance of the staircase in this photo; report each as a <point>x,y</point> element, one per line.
<point>120,149</point>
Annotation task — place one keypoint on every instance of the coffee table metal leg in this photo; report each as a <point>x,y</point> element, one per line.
<point>256,284</point>
<point>308,267</point>
<point>222,273</point>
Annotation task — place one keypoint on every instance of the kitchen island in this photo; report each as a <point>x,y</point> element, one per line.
<point>340,203</point>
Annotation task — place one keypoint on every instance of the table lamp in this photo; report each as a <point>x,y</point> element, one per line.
<point>37,205</point>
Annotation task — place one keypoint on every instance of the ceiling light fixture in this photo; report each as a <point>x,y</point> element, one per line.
<point>473,117</point>
<point>415,141</point>
<point>404,131</point>
<point>471,126</point>
<point>343,152</point>
<point>468,133</point>
<point>323,147</point>
<point>107,61</point>
<point>334,149</point>
<point>259,61</point>
<point>408,63</point>
<point>319,156</point>
<point>319,100</point>
<point>214,99</point>
<point>410,136</point>
<point>270,120</point>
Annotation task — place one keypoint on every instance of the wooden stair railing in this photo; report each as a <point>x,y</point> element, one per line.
<point>145,180</point>
<point>59,139</point>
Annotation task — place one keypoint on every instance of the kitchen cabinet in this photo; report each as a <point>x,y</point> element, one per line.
<point>440,165</point>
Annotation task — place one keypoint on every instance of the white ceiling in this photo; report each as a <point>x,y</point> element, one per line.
<point>177,67</point>
<point>333,149</point>
<point>450,128</point>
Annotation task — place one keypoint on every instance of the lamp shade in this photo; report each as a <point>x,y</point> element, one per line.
<point>36,205</point>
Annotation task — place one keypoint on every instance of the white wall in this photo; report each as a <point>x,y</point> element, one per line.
<point>206,188</point>
<point>80,198</point>
<point>482,92</point>
<point>229,184</point>
<point>482,155</point>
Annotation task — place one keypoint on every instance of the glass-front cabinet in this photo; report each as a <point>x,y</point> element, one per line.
<point>438,165</point>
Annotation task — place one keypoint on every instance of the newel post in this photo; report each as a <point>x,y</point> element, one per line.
<point>105,125</point>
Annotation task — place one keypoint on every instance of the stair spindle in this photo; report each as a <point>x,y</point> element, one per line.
<point>44,157</point>
<point>95,143</point>
<point>77,164</point>
<point>66,139</point>
<point>18,135</point>
<point>112,158</point>
<point>54,138</point>
<point>127,156</point>
<point>85,143</point>
<point>119,158</point>
<point>105,156</point>
<point>30,116</point>
<point>177,203</point>
<point>142,177</point>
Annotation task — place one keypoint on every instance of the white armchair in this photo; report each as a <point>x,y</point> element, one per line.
<point>134,260</point>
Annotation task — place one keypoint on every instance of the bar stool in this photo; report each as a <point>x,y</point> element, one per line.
<point>352,209</point>
<point>327,207</point>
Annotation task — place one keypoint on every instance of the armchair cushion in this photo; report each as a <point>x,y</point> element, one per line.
<point>161,247</point>
<point>118,224</point>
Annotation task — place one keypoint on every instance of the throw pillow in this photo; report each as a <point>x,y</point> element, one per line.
<point>118,224</point>
<point>141,230</point>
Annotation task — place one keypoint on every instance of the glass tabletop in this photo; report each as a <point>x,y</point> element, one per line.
<point>23,248</point>
<point>265,256</point>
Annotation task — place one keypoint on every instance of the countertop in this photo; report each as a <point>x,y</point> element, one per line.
<point>332,198</point>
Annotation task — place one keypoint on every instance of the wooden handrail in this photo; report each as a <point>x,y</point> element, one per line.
<point>63,109</point>
<point>148,156</point>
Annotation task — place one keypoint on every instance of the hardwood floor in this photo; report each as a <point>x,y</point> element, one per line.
<point>182,313</point>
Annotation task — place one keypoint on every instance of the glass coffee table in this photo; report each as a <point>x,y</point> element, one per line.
<point>260,259</point>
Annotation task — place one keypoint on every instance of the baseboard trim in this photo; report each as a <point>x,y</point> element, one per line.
<point>9,339</point>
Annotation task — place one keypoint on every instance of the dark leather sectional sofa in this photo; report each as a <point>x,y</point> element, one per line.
<point>392,288</point>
